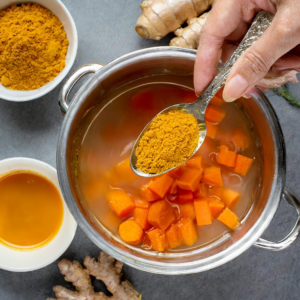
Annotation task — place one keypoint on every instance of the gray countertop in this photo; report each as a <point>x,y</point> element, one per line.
<point>31,129</point>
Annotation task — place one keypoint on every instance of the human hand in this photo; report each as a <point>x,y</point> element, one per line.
<point>225,27</point>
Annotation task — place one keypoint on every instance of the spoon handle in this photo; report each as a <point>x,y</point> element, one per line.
<point>261,22</point>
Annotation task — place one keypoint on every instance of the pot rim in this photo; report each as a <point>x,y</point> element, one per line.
<point>161,267</point>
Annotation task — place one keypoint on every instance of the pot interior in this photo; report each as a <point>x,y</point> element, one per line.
<point>175,68</point>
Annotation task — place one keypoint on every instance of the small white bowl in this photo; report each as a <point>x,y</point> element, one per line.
<point>21,261</point>
<point>59,9</point>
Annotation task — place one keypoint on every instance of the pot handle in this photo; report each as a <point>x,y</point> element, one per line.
<point>293,201</point>
<point>70,83</point>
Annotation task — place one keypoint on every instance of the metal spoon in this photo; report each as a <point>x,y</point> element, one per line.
<point>258,27</point>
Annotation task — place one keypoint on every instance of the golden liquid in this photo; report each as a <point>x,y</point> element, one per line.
<point>31,210</point>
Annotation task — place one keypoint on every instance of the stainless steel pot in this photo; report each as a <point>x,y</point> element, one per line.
<point>174,62</point>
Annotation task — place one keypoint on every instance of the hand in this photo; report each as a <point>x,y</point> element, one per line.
<point>225,27</point>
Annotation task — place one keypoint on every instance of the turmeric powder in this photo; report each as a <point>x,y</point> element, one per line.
<point>169,141</point>
<point>33,46</point>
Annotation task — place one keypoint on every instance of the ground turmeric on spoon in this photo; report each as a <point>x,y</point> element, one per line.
<point>169,141</point>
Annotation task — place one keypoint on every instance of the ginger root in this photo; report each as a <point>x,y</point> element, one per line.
<point>106,269</point>
<point>160,17</point>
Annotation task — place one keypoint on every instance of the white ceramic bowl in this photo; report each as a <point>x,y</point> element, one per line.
<point>21,261</point>
<point>59,9</point>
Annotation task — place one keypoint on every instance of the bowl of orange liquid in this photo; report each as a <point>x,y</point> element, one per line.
<point>36,226</point>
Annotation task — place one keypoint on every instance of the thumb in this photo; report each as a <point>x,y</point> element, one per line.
<point>254,64</point>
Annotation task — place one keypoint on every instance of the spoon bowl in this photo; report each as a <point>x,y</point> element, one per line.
<point>261,22</point>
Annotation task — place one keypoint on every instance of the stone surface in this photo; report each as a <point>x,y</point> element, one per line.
<point>31,129</point>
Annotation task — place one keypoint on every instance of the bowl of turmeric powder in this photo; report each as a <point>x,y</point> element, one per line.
<point>38,48</point>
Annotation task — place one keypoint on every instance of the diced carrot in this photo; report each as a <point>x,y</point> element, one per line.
<point>124,171</point>
<point>173,189</point>
<point>140,215</point>
<point>161,185</point>
<point>215,191</point>
<point>195,162</point>
<point>241,138</point>
<point>212,176</point>
<point>158,239</point>
<point>202,210</point>
<point>185,196</point>
<point>131,232</point>
<point>214,114</point>
<point>189,179</point>
<point>217,101</point>
<point>187,231</point>
<point>211,130</point>
<point>176,172</point>
<point>121,203</point>
<point>187,211</point>
<point>216,207</point>
<point>226,157</point>
<point>161,214</point>
<point>229,219</point>
<point>173,236</point>
<point>220,92</point>
<point>146,243</point>
<point>141,203</point>
<point>147,194</point>
<point>242,164</point>
<point>230,197</point>
<point>201,192</point>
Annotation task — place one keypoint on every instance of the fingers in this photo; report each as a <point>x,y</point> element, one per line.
<point>282,35</point>
<point>286,62</point>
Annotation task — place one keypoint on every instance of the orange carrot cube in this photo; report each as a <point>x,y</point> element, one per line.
<point>215,191</point>
<point>187,231</point>
<point>140,215</point>
<point>211,130</point>
<point>141,203</point>
<point>173,189</point>
<point>226,157</point>
<point>187,211</point>
<point>173,236</point>
<point>215,207</point>
<point>147,194</point>
<point>202,210</point>
<point>195,162</point>
<point>121,203</point>
<point>217,101</point>
<point>229,219</point>
<point>130,232</point>
<point>242,164</point>
<point>201,192</point>
<point>158,239</point>
<point>161,185</point>
<point>241,138</point>
<point>214,114</point>
<point>185,196</point>
<point>230,197</point>
<point>123,171</point>
<point>212,176</point>
<point>176,172</point>
<point>161,214</point>
<point>189,179</point>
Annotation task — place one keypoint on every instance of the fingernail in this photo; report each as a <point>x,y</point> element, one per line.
<point>235,88</point>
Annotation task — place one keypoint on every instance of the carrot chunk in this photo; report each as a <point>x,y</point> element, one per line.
<point>211,130</point>
<point>147,194</point>
<point>230,197</point>
<point>123,170</point>
<point>189,179</point>
<point>173,189</point>
<point>241,138</point>
<point>215,191</point>
<point>140,215</point>
<point>176,172</point>
<point>242,164</point>
<point>215,207</point>
<point>212,176</point>
<point>161,185</point>
<point>217,101</point>
<point>131,232</point>
<point>229,219</point>
<point>195,162</point>
<point>173,236</point>
<point>214,114</point>
<point>187,231</point>
<point>202,210</point>
<point>158,239</point>
<point>187,211</point>
<point>185,196</point>
<point>121,203</point>
<point>161,214</point>
<point>226,157</point>
<point>201,192</point>
<point>141,203</point>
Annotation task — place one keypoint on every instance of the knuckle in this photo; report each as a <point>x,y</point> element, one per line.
<point>255,62</point>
